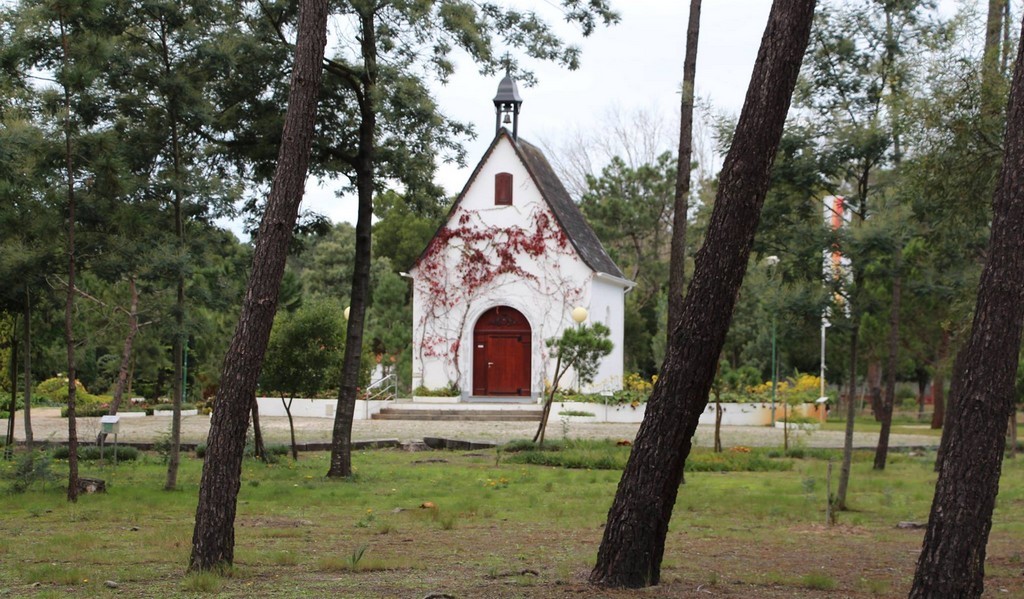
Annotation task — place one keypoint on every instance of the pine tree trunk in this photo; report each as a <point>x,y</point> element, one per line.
<point>213,539</point>
<point>291,426</point>
<point>27,365</point>
<point>259,450</point>
<point>677,261</point>
<point>882,449</point>
<point>341,437</point>
<point>13,405</point>
<point>69,303</point>
<point>851,415</point>
<point>126,350</point>
<point>634,538</point>
<point>718,426</point>
<point>874,380</point>
<point>952,559</point>
<point>939,383</point>
<point>180,337</point>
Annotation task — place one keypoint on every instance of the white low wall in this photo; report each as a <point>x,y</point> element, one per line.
<point>318,408</point>
<point>733,414</point>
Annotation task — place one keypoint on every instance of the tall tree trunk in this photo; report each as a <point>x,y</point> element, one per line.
<point>874,381</point>
<point>69,302</point>
<point>851,413</point>
<point>341,437</point>
<point>13,405</point>
<point>677,261</point>
<point>939,382</point>
<point>882,449</point>
<point>26,325</point>
<point>952,559</point>
<point>259,450</point>
<point>291,426</point>
<point>126,349</point>
<point>174,457</point>
<point>213,539</point>
<point>922,388</point>
<point>991,67</point>
<point>634,538</point>
<point>538,437</point>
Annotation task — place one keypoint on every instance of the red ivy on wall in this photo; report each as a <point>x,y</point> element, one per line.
<point>484,257</point>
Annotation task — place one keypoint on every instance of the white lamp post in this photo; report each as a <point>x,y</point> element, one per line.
<point>772,261</point>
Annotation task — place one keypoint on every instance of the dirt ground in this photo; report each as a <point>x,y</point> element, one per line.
<point>48,426</point>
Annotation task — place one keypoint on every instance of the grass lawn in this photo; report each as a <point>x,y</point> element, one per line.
<point>491,527</point>
<point>900,426</point>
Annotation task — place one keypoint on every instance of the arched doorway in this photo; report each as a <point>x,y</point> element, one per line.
<point>501,353</point>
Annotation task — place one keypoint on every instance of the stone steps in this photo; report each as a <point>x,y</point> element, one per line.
<point>499,415</point>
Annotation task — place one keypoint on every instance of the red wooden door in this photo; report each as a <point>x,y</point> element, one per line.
<point>501,353</point>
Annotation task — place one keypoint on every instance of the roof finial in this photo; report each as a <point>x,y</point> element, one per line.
<point>507,102</point>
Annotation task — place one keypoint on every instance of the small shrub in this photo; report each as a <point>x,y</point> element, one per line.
<point>450,391</point>
<point>201,450</point>
<point>30,469</point>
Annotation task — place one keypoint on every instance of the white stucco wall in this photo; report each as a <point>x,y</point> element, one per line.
<point>544,287</point>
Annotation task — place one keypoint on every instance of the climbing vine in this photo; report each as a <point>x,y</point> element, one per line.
<point>469,260</point>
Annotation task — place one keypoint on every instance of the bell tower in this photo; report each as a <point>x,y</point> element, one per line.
<point>506,106</point>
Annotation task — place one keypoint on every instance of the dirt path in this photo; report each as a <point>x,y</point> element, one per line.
<point>47,425</point>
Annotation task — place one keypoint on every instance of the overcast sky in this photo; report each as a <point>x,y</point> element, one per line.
<point>635,65</point>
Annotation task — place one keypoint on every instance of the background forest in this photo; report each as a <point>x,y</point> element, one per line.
<point>172,115</point>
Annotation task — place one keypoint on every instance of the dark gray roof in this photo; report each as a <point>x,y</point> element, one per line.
<point>568,214</point>
<point>566,211</point>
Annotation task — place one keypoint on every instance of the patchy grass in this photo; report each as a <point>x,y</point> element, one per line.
<point>482,525</point>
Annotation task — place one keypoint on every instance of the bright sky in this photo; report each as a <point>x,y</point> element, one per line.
<point>637,64</point>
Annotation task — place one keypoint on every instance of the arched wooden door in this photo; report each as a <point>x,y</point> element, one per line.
<point>501,353</point>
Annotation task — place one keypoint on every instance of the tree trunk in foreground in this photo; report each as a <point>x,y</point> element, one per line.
<point>952,560</point>
<point>213,540</point>
<point>634,538</point>
<point>677,262</point>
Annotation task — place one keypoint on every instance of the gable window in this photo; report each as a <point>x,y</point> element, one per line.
<point>503,189</point>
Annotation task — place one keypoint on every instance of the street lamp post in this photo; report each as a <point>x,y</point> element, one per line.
<point>772,261</point>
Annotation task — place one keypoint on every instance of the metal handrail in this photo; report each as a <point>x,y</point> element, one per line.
<point>386,389</point>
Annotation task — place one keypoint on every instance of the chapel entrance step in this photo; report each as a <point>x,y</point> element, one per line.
<point>518,415</point>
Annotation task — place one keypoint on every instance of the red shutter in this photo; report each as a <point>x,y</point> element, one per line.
<point>503,189</point>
